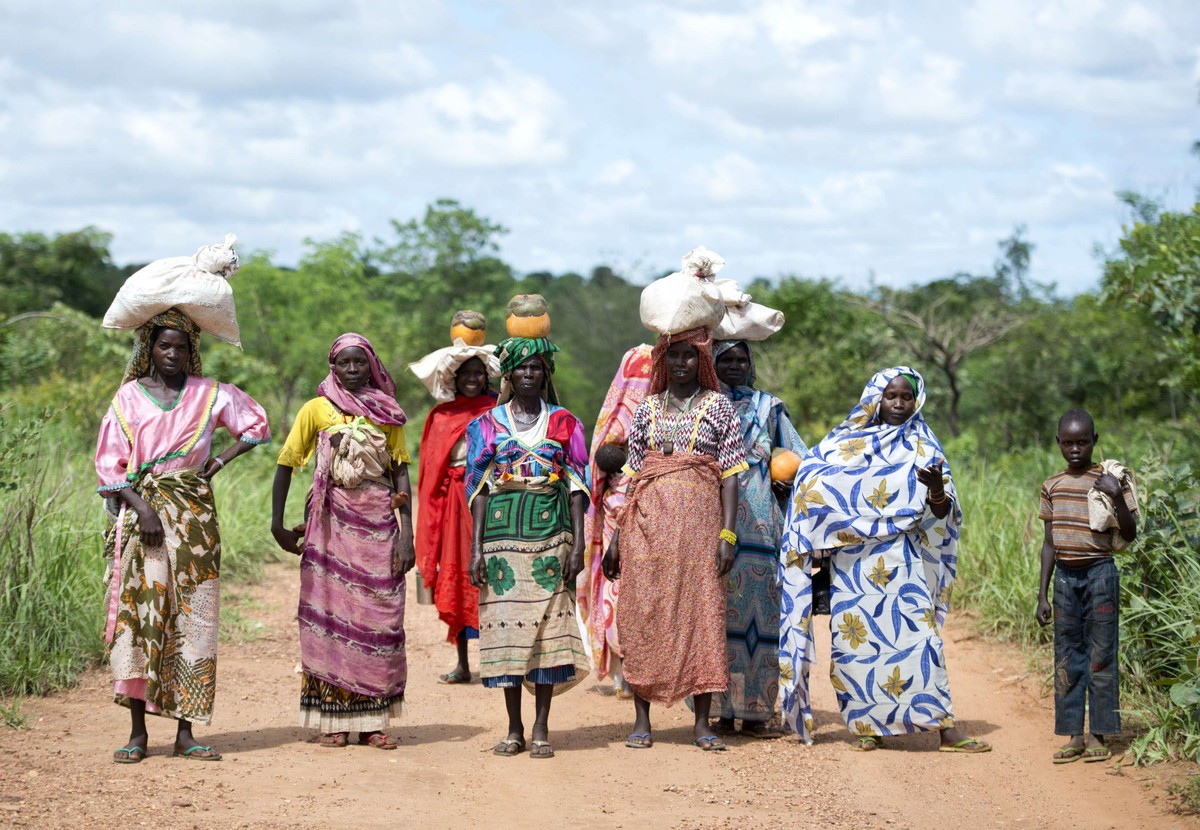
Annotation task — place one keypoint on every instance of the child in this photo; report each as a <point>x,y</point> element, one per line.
<point>1086,591</point>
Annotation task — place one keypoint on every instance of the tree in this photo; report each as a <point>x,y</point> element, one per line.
<point>818,363</point>
<point>1158,270</point>
<point>289,317</point>
<point>947,320</point>
<point>446,261</point>
<point>74,268</point>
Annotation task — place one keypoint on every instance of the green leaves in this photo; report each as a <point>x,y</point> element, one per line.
<point>1158,270</point>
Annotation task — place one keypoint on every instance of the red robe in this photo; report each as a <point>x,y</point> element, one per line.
<point>443,538</point>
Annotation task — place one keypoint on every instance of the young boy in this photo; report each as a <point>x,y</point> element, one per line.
<point>1086,592</point>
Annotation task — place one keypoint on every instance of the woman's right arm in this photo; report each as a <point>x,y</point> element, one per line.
<point>476,570</point>
<point>113,450</point>
<point>286,538</point>
<point>292,456</point>
<point>150,527</point>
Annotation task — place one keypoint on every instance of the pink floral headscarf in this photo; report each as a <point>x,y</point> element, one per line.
<point>377,399</point>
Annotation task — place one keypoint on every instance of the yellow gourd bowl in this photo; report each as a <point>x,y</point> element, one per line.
<point>784,464</point>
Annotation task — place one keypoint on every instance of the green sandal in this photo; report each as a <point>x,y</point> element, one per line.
<point>129,755</point>
<point>867,743</point>
<point>199,753</point>
<point>1069,754</point>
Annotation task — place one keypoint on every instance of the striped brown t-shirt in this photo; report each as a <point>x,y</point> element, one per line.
<point>1064,504</point>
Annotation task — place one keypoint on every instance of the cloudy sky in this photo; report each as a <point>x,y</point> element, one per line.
<point>827,138</point>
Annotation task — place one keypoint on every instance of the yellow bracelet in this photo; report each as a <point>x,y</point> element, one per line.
<point>729,536</point>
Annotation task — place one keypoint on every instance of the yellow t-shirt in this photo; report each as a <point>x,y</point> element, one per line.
<point>319,414</point>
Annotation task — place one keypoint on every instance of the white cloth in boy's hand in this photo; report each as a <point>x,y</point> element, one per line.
<point>1102,515</point>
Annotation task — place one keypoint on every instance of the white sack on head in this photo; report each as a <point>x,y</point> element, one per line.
<point>197,285</point>
<point>745,320</point>
<point>437,369</point>
<point>688,298</point>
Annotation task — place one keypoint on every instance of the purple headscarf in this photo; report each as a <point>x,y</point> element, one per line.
<point>377,399</point>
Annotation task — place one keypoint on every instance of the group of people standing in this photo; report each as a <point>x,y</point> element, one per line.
<point>669,557</point>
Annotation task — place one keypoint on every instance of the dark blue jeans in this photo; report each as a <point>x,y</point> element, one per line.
<point>1086,601</point>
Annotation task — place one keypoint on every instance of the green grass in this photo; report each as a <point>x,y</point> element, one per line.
<point>999,561</point>
<point>51,550</point>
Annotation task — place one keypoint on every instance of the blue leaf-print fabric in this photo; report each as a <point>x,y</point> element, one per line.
<point>857,504</point>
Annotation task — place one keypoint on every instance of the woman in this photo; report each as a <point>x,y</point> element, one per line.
<point>443,521</point>
<point>752,611</point>
<point>685,451</point>
<point>154,462</point>
<point>598,595</point>
<point>358,546</point>
<point>876,501</point>
<point>527,485</point>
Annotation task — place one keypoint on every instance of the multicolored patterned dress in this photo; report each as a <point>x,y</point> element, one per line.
<point>672,610</point>
<point>857,500</point>
<point>161,632</point>
<point>352,643</point>
<point>752,610</point>
<point>597,595</point>
<point>528,627</point>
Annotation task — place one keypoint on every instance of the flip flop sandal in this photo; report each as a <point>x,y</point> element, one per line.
<point>453,678</point>
<point>509,747</point>
<point>129,755</point>
<point>972,746</point>
<point>724,727</point>
<point>639,740</point>
<point>1068,754</point>
<point>710,744</point>
<point>867,743</point>
<point>541,749</point>
<point>379,740</point>
<point>761,730</point>
<point>1096,753</point>
<point>334,740</point>
<point>199,753</point>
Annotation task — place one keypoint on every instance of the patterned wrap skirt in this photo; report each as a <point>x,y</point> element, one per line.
<point>163,602</point>
<point>528,631</point>
<point>351,614</point>
<point>672,610</point>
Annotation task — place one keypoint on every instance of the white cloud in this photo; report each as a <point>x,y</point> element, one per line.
<point>822,138</point>
<point>615,173</point>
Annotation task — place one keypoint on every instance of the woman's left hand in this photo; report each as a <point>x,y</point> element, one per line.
<point>931,477</point>
<point>211,467</point>
<point>724,557</point>
<point>404,555</point>
<point>574,561</point>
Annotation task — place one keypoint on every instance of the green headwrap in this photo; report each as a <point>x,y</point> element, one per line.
<point>516,350</point>
<point>912,381</point>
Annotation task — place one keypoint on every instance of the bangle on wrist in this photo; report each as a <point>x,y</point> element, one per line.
<point>219,460</point>
<point>940,498</point>
<point>728,535</point>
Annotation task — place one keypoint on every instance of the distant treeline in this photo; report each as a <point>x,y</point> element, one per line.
<point>1002,353</point>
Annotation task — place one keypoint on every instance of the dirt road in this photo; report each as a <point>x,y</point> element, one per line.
<point>58,772</point>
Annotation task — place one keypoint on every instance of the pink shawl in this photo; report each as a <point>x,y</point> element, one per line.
<point>375,401</point>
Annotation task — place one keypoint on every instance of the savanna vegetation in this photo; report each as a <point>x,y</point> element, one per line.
<point>1003,353</point>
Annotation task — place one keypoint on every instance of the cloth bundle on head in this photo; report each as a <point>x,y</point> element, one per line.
<point>745,320</point>
<point>687,299</point>
<point>706,373</point>
<point>376,400</point>
<point>197,285</point>
<point>172,318</point>
<point>514,351</point>
<point>437,370</point>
